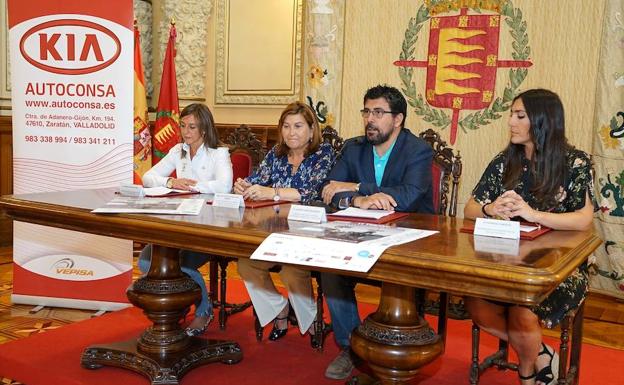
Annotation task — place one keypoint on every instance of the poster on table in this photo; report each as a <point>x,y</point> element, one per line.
<point>72,87</point>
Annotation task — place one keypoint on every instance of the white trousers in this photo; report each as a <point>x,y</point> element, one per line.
<point>268,302</point>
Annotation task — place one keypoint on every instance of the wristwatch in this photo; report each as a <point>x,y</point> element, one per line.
<point>169,183</point>
<point>276,197</point>
<point>357,188</point>
<point>345,202</point>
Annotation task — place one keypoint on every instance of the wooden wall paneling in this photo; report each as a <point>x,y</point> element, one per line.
<point>6,176</point>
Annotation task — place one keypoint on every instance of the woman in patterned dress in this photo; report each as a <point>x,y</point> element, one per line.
<point>293,170</point>
<point>538,178</point>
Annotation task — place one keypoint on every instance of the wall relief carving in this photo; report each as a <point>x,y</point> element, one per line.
<point>191,20</point>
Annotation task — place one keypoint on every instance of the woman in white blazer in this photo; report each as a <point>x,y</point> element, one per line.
<point>202,166</point>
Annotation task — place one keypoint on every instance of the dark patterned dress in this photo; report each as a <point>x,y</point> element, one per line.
<point>275,171</point>
<point>579,181</point>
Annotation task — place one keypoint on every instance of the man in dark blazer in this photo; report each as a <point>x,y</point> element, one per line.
<point>388,168</point>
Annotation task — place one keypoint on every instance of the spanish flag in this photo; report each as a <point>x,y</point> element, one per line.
<point>167,129</point>
<point>142,136</point>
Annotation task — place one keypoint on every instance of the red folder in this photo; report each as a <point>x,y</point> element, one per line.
<point>264,203</point>
<point>388,218</point>
<point>529,236</point>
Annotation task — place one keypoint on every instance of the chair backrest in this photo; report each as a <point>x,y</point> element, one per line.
<point>330,135</point>
<point>246,151</point>
<point>241,165</point>
<point>446,170</point>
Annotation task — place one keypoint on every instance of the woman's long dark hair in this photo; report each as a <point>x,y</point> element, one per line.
<point>205,124</point>
<point>547,167</point>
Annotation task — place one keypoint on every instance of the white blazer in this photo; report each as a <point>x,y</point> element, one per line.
<point>210,167</point>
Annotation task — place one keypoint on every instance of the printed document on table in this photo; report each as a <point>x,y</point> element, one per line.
<point>336,245</point>
<point>160,191</point>
<point>152,206</point>
<point>356,212</point>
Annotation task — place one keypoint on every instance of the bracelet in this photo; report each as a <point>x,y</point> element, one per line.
<point>485,215</point>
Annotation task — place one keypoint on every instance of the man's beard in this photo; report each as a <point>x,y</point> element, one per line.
<point>376,137</point>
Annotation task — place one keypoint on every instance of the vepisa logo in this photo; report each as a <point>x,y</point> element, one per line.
<point>72,267</point>
<point>70,46</point>
<point>65,266</point>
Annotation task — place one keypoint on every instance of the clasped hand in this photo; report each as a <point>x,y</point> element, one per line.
<point>253,192</point>
<point>510,204</point>
<point>334,187</point>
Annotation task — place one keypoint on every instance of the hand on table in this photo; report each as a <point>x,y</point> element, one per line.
<point>334,187</point>
<point>184,184</point>
<point>381,201</point>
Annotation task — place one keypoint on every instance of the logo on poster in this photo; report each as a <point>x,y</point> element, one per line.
<point>70,46</point>
<point>72,267</point>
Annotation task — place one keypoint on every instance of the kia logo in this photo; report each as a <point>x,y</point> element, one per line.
<point>70,46</point>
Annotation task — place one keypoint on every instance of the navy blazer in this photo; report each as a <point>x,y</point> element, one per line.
<point>407,177</point>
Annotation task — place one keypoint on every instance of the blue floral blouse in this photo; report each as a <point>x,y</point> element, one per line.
<point>275,171</point>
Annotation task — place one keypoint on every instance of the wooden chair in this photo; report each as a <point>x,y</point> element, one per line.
<point>330,135</point>
<point>246,152</point>
<point>569,357</point>
<point>446,170</point>
<point>321,328</point>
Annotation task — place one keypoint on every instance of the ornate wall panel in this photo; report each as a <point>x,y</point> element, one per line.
<point>259,61</point>
<point>608,155</point>
<point>191,20</point>
<point>143,16</point>
<point>6,177</point>
<point>324,43</point>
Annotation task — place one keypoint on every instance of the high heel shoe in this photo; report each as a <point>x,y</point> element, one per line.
<point>315,341</point>
<point>276,332</point>
<point>316,336</point>
<point>194,332</point>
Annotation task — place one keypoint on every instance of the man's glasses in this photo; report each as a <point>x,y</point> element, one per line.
<point>377,112</point>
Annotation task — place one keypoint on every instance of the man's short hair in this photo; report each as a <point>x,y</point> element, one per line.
<point>394,97</point>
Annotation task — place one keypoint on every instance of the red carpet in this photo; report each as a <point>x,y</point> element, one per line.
<point>54,357</point>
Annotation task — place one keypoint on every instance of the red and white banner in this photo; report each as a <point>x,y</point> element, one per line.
<point>72,97</point>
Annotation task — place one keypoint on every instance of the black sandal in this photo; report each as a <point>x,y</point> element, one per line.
<point>526,378</point>
<point>548,375</point>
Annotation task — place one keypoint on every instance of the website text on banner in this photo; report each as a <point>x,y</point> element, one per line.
<point>71,76</point>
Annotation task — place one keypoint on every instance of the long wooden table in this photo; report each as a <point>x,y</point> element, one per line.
<point>394,340</point>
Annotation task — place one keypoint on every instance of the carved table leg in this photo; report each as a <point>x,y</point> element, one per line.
<point>163,352</point>
<point>395,341</point>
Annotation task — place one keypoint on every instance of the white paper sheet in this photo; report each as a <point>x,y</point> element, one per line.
<point>337,245</point>
<point>356,212</point>
<point>152,206</point>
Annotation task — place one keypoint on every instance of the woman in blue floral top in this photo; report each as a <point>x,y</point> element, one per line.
<point>293,170</point>
<point>538,178</point>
